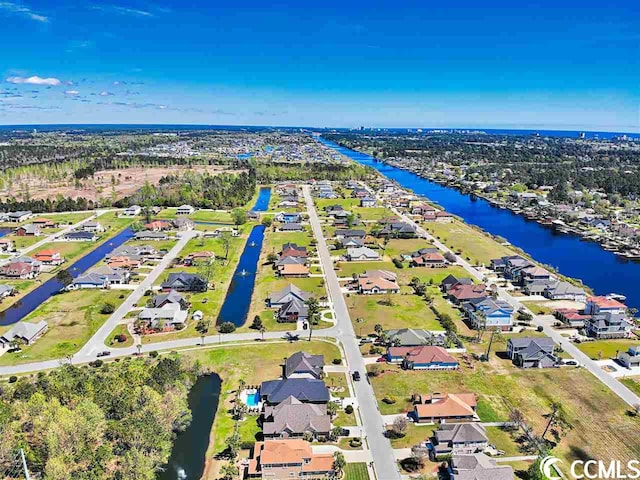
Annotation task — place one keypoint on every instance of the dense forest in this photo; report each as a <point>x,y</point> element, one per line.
<point>200,190</point>
<point>115,421</point>
<point>612,166</point>
<point>268,173</point>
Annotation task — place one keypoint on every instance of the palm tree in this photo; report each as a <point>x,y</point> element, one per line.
<point>262,330</point>
<point>313,315</point>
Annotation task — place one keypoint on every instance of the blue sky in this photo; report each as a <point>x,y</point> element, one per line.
<point>341,64</point>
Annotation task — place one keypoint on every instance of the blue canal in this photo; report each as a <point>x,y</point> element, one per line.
<point>601,270</point>
<point>236,304</point>
<point>32,300</point>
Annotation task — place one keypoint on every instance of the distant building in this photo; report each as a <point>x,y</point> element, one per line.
<point>630,358</point>
<point>185,210</point>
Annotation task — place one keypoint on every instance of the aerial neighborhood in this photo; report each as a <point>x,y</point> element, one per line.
<point>333,327</point>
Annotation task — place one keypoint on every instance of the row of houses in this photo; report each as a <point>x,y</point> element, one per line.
<point>602,318</point>
<point>293,261</point>
<point>293,407</point>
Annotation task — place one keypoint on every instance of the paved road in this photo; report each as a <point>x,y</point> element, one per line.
<point>97,341</point>
<point>618,388</point>
<point>384,461</point>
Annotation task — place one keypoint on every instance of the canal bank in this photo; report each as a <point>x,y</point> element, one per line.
<point>601,270</point>
<point>238,299</point>
<point>33,299</point>
<point>188,454</point>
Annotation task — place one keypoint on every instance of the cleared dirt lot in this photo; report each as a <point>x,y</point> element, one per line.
<point>103,184</point>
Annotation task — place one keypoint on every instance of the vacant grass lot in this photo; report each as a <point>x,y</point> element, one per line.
<point>398,246</point>
<point>73,317</point>
<point>407,311</point>
<point>583,398</point>
<point>356,471</point>
<point>475,245</point>
<point>254,364</point>
<point>601,349</point>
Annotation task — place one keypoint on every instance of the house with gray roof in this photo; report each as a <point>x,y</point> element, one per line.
<point>288,293</point>
<point>20,216</point>
<point>291,227</point>
<point>362,254</point>
<point>80,236</point>
<point>458,439</point>
<point>25,332</point>
<point>350,233</point>
<point>478,467</point>
<point>398,229</point>
<point>184,282</point>
<point>414,337</point>
<point>184,224</point>
<point>565,291</point>
<point>630,358</point>
<point>151,235</point>
<point>532,352</point>
<point>170,297</point>
<point>306,390</point>
<point>170,315</point>
<point>451,280</point>
<point>304,365</point>
<point>6,290</point>
<point>293,311</point>
<point>351,243</point>
<point>292,418</point>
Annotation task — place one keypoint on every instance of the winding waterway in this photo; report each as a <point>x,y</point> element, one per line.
<point>33,299</point>
<point>603,271</point>
<point>236,304</point>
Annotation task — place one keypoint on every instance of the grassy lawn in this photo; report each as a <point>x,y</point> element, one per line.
<point>632,383</point>
<point>415,434</point>
<point>475,245</point>
<point>347,269</point>
<point>111,222</point>
<point>254,364</point>
<point>408,310</point>
<point>600,349</point>
<point>372,213</point>
<point>73,317</point>
<point>120,330</point>
<point>538,308</point>
<point>64,219</point>
<point>356,471</point>
<point>398,246</point>
<point>503,440</point>
<point>343,419</point>
<point>338,381</point>
<point>582,396</point>
<point>346,203</point>
<point>23,242</point>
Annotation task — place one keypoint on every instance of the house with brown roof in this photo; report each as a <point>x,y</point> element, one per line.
<point>195,258</point>
<point>293,270</point>
<point>422,357</point>
<point>49,257</point>
<point>22,270</point>
<point>429,259</point>
<point>27,230</point>
<point>45,223</point>
<point>285,459</point>
<point>123,262</point>
<point>461,293</point>
<point>374,282</point>
<point>445,407</point>
<point>158,225</point>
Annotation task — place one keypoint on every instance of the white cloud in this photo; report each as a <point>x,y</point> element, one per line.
<point>18,9</point>
<point>105,94</point>
<point>35,80</point>
<point>133,12</point>
<point>72,92</point>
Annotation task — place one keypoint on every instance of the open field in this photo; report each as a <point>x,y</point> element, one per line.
<point>397,246</point>
<point>475,246</point>
<point>582,397</point>
<point>254,364</point>
<point>408,310</point>
<point>601,349</point>
<point>73,317</point>
<point>104,184</point>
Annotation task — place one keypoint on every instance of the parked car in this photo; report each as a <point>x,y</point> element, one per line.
<point>356,376</point>
<point>381,360</point>
<point>106,353</point>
